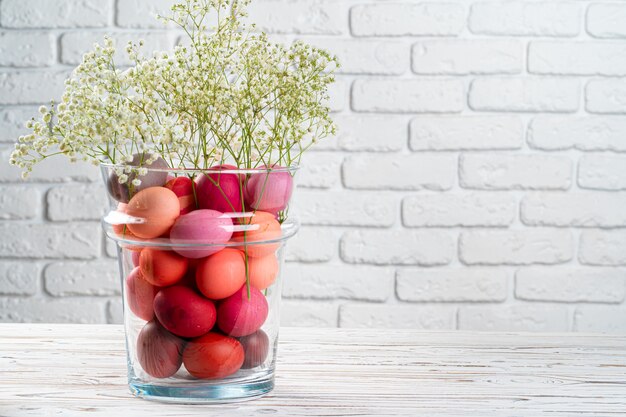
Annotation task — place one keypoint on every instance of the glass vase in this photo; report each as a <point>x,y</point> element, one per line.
<point>200,258</point>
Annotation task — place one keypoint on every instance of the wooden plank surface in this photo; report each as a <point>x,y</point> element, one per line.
<point>72,370</point>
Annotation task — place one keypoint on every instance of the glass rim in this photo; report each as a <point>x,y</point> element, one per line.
<point>289,169</point>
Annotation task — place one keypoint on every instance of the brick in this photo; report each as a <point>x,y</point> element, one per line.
<point>607,96</point>
<point>18,203</point>
<point>75,44</point>
<point>600,319</point>
<point>387,316</point>
<point>325,17</point>
<point>462,57</point>
<point>449,133</point>
<point>407,19</point>
<point>326,282</point>
<point>319,170</point>
<point>510,171</point>
<point>525,18</point>
<point>76,202</point>
<point>567,284</point>
<point>467,284</point>
<point>400,172</point>
<point>308,313</point>
<point>338,95</point>
<point>365,56</point>
<point>577,58</point>
<point>12,122</point>
<point>115,311</point>
<point>524,94</point>
<point>591,209</point>
<point>602,247</point>
<point>55,169</point>
<point>520,318</point>
<point>110,247</point>
<point>41,310</point>
<point>606,20</point>
<point>397,247</point>
<point>408,96</point>
<point>76,240</point>
<point>583,133</point>
<point>371,133</point>
<point>344,208</point>
<point>31,87</point>
<point>98,278</point>
<point>19,278</point>
<point>142,13</point>
<point>313,244</point>
<point>602,172</point>
<point>26,49</point>
<point>451,210</point>
<point>57,14</point>
<point>516,247</point>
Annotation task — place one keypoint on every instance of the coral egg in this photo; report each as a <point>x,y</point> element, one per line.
<point>184,312</point>
<point>199,227</point>
<point>259,227</point>
<point>239,315</point>
<point>159,352</point>
<point>263,271</point>
<point>213,356</point>
<point>140,295</point>
<point>162,267</point>
<point>155,209</point>
<point>222,274</point>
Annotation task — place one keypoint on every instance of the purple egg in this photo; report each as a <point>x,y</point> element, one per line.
<point>269,191</point>
<point>256,347</point>
<point>124,191</point>
<point>221,192</point>
<point>239,315</point>
<point>201,227</point>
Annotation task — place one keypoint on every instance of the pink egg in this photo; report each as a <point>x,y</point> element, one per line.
<point>183,188</point>
<point>159,352</point>
<point>239,315</point>
<point>208,227</point>
<point>221,192</point>
<point>140,294</point>
<point>256,347</point>
<point>134,256</point>
<point>183,311</point>
<point>269,191</point>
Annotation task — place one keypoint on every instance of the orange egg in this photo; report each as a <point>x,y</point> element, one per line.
<point>222,274</point>
<point>263,271</point>
<point>260,227</point>
<point>157,207</point>
<point>162,267</point>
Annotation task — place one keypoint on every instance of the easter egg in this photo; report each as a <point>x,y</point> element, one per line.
<point>159,352</point>
<point>221,192</point>
<point>239,315</point>
<point>157,208</point>
<point>263,271</point>
<point>134,257</point>
<point>213,356</point>
<point>184,312</point>
<point>222,274</point>
<point>162,267</point>
<point>183,188</point>
<point>269,191</point>
<point>261,226</point>
<point>256,347</point>
<point>208,227</point>
<point>140,295</point>
<point>124,191</point>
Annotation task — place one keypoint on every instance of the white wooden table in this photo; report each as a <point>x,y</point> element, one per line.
<point>71,370</point>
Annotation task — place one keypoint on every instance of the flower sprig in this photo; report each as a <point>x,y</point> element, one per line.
<point>225,95</point>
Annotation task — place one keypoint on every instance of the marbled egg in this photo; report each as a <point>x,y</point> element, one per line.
<point>256,347</point>
<point>124,191</point>
<point>184,312</point>
<point>239,315</point>
<point>159,352</point>
<point>208,227</point>
<point>213,356</point>
<point>157,208</point>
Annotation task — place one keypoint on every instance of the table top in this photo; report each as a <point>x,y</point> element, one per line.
<point>70,370</point>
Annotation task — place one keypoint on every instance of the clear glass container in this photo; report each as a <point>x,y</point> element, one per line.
<point>200,257</point>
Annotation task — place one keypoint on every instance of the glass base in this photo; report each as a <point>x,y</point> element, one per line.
<point>204,394</point>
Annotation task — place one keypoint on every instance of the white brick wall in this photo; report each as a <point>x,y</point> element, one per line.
<point>477,181</point>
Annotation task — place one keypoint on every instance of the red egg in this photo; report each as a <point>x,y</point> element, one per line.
<point>140,295</point>
<point>239,315</point>
<point>208,227</point>
<point>222,274</point>
<point>261,226</point>
<point>155,209</point>
<point>183,188</point>
<point>159,352</point>
<point>162,267</point>
<point>213,356</point>
<point>263,271</point>
<point>184,312</point>
<point>221,192</point>
<point>256,347</point>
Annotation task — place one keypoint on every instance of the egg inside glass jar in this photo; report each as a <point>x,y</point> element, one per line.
<point>154,211</point>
